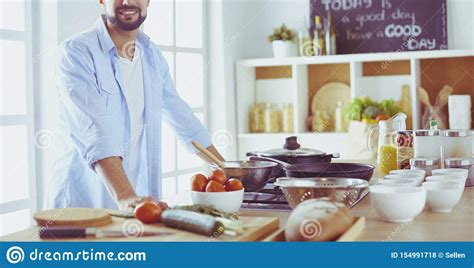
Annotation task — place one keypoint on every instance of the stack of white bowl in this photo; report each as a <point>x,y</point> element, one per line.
<point>445,188</point>
<point>402,195</point>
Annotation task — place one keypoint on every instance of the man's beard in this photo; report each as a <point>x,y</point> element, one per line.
<point>126,26</point>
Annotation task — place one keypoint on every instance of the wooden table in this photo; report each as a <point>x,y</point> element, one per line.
<point>428,226</point>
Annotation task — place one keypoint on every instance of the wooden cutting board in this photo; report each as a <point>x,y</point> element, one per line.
<point>87,217</point>
<point>261,227</point>
<point>349,235</point>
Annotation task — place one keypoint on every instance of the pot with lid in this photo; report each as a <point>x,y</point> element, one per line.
<point>293,153</point>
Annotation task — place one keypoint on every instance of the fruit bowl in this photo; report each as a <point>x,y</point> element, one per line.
<point>225,201</point>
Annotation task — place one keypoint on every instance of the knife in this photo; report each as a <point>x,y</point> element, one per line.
<point>81,232</point>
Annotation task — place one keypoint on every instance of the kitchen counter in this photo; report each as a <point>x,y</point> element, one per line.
<point>428,226</point>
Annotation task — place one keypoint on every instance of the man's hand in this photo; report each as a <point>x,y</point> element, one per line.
<point>131,203</point>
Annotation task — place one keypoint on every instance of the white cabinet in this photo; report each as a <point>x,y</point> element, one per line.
<point>294,80</point>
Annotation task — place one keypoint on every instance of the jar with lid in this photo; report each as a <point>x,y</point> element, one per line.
<point>404,149</point>
<point>456,143</point>
<point>465,163</point>
<point>427,143</point>
<point>271,118</point>
<point>256,119</point>
<point>426,164</point>
<point>287,123</point>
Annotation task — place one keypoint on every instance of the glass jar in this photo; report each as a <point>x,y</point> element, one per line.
<point>256,119</point>
<point>456,143</point>
<point>465,163</point>
<point>426,164</point>
<point>272,118</point>
<point>287,121</point>
<point>427,143</point>
<point>404,149</point>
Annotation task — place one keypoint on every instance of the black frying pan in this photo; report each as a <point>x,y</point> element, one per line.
<point>309,170</point>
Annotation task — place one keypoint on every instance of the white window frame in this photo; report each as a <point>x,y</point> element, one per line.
<point>176,172</point>
<point>27,119</point>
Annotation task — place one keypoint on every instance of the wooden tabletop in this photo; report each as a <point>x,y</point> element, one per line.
<point>428,226</point>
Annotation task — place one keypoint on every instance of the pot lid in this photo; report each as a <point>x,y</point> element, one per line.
<point>291,148</point>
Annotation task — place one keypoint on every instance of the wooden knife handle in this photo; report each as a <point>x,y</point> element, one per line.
<point>62,232</point>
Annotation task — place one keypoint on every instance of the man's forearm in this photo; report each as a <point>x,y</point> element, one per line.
<point>115,179</point>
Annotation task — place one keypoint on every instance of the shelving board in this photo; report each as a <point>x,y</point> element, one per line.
<point>364,57</point>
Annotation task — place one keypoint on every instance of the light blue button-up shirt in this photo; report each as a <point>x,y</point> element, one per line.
<point>95,123</point>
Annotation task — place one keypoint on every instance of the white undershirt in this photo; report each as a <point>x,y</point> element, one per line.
<point>132,79</point>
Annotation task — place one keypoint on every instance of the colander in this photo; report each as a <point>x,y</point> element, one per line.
<point>345,190</point>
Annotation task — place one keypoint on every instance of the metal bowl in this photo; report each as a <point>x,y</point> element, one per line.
<point>345,190</point>
<point>254,174</point>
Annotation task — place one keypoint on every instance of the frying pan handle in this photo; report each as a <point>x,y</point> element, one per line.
<point>261,158</point>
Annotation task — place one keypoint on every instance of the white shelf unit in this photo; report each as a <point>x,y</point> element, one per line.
<point>298,94</point>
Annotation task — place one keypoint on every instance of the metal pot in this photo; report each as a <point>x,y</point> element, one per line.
<point>254,174</point>
<point>293,153</point>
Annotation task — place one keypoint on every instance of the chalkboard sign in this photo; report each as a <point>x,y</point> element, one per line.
<point>365,26</point>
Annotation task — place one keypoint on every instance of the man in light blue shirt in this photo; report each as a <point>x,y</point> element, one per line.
<point>114,86</point>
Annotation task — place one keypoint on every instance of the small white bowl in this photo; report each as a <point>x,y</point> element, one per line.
<point>397,203</point>
<point>418,177</point>
<point>400,182</point>
<point>442,196</point>
<point>420,172</point>
<point>225,201</point>
<point>447,178</point>
<point>452,171</point>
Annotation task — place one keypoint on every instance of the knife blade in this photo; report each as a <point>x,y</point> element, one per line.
<point>82,232</point>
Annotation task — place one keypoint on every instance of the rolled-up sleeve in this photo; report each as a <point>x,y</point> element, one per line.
<point>90,124</point>
<point>179,115</point>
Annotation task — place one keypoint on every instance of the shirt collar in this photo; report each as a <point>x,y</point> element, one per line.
<point>106,41</point>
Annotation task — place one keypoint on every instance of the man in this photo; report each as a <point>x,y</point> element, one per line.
<point>114,86</point>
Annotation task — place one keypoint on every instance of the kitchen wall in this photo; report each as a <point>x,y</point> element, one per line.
<point>246,25</point>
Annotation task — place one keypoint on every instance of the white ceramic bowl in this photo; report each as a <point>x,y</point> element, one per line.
<point>452,171</point>
<point>447,178</point>
<point>442,196</point>
<point>225,201</point>
<point>397,204</point>
<point>400,182</point>
<point>418,177</point>
<point>420,172</point>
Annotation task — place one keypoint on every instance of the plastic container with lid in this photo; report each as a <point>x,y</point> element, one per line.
<point>456,143</point>
<point>426,164</point>
<point>465,163</point>
<point>427,143</point>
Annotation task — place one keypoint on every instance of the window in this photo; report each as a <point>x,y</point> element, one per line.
<point>17,136</point>
<point>177,27</point>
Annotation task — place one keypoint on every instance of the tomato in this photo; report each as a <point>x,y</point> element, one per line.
<point>218,176</point>
<point>233,185</point>
<point>148,212</point>
<point>198,183</point>
<point>214,186</point>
